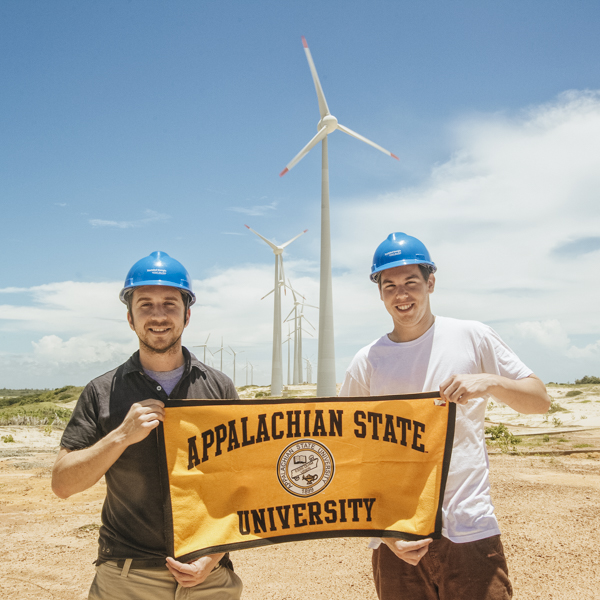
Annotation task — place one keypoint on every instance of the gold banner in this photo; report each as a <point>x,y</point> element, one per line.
<point>243,474</point>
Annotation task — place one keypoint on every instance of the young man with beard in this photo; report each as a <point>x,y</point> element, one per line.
<point>112,432</point>
<point>467,362</point>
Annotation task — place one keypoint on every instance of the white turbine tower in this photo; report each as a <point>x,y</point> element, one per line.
<point>276,367</point>
<point>328,124</point>
<point>234,355</point>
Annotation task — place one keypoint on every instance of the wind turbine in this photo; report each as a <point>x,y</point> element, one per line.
<point>327,125</point>
<point>234,355</point>
<point>288,341</point>
<point>276,368</point>
<point>221,350</point>
<point>298,316</point>
<point>204,346</point>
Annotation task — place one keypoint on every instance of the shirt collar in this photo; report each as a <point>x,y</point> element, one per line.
<point>133,364</point>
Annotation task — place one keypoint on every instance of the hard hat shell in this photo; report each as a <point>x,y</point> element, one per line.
<point>400,249</point>
<point>158,269</point>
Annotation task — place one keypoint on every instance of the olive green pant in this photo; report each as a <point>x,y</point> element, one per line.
<point>120,583</point>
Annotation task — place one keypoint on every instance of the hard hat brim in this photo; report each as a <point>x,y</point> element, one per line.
<point>138,284</point>
<point>400,263</point>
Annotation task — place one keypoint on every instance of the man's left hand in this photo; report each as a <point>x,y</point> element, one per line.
<point>462,388</point>
<point>195,572</point>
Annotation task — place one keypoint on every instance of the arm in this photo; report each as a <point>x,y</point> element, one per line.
<point>527,395</point>
<point>77,470</point>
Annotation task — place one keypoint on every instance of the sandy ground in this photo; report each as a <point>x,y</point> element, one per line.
<point>548,508</point>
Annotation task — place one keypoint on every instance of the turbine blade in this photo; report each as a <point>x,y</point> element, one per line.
<point>323,108</point>
<point>268,294</point>
<point>291,311</point>
<point>320,135</point>
<point>264,239</point>
<point>365,140</point>
<point>308,322</point>
<point>294,238</point>
<point>206,342</point>
<point>310,306</point>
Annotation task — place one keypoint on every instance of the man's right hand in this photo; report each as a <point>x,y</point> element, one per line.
<point>78,470</point>
<point>410,552</point>
<point>141,419</point>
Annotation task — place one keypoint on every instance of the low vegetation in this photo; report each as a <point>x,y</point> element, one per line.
<point>502,438</point>
<point>39,407</point>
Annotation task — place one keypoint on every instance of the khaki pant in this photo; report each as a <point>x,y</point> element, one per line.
<point>119,583</point>
<point>449,571</point>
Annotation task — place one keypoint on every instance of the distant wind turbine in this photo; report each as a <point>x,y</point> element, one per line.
<point>276,367</point>
<point>204,346</point>
<point>221,350</point>
<point>234,355</point>
<point>327,125</point>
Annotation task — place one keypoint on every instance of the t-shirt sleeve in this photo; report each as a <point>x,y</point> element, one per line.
<point>82,430</point>
<point>351,387</point>
<point>498,358</point>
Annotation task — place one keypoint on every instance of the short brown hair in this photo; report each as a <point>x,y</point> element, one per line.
<point>426,271</point>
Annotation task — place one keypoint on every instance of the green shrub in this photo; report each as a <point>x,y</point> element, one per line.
<point>556,407</point>
<point>7,439</point>
<point>545,438</point>
<point>587,379</point>
<point>43,413</point>
<point>572,393</point>
<point>556,422</point>
<point>502,437</point>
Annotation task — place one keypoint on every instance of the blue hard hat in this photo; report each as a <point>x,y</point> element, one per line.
<point>158,269</point>
<point>400,249</point>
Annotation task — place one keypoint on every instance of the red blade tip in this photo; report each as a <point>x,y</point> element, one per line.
<point>283,172</point>
<point>246,226</point>
<point>304,42</point>
<point>394,156</point>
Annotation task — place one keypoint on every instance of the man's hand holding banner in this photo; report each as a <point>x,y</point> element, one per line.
<point>242,474</point>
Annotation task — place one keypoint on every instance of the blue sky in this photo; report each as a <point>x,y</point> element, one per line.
<point>132,127</point>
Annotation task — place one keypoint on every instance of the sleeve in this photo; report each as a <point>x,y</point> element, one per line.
<point>351,387</point>
<point>498,358</point>
<point>358,376</point>
<point>82,430</point>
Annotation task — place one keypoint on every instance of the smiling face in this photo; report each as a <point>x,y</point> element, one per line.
<point>158,317</point>
<point>405,294</point>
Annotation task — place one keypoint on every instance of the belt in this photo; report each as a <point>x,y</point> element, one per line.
<point>149,563</point>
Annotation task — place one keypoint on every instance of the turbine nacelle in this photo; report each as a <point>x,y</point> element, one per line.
<point>329,122</point>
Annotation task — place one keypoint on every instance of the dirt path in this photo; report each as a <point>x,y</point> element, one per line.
<point>549,511</point>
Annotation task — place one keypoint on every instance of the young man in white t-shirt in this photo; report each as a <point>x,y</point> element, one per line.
<point>467,362</point>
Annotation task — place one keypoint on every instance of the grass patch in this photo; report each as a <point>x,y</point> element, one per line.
<point>42,413</point>
<point>556,407</point>
<point>502,438</point>
<point>563,440</point>
<point>68,393</point>
<point>8,439</point>
<point>582,445</point>
<point>572,393</point>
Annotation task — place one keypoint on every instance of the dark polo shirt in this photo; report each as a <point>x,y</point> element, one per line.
<point>133,519</point>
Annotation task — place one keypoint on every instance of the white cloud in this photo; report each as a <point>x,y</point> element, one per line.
<point>151,217</point>
<point>511,219</point>
<point>255,211</point>
<point>52,350</point>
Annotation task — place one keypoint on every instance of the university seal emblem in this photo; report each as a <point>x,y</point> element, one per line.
<point>305,468</point>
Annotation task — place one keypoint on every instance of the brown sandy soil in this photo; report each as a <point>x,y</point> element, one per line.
<point>549,511</point>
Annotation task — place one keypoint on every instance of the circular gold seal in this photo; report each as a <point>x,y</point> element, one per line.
<point>305,468</point>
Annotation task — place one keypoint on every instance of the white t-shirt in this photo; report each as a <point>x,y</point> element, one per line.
<point>449,347</point>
